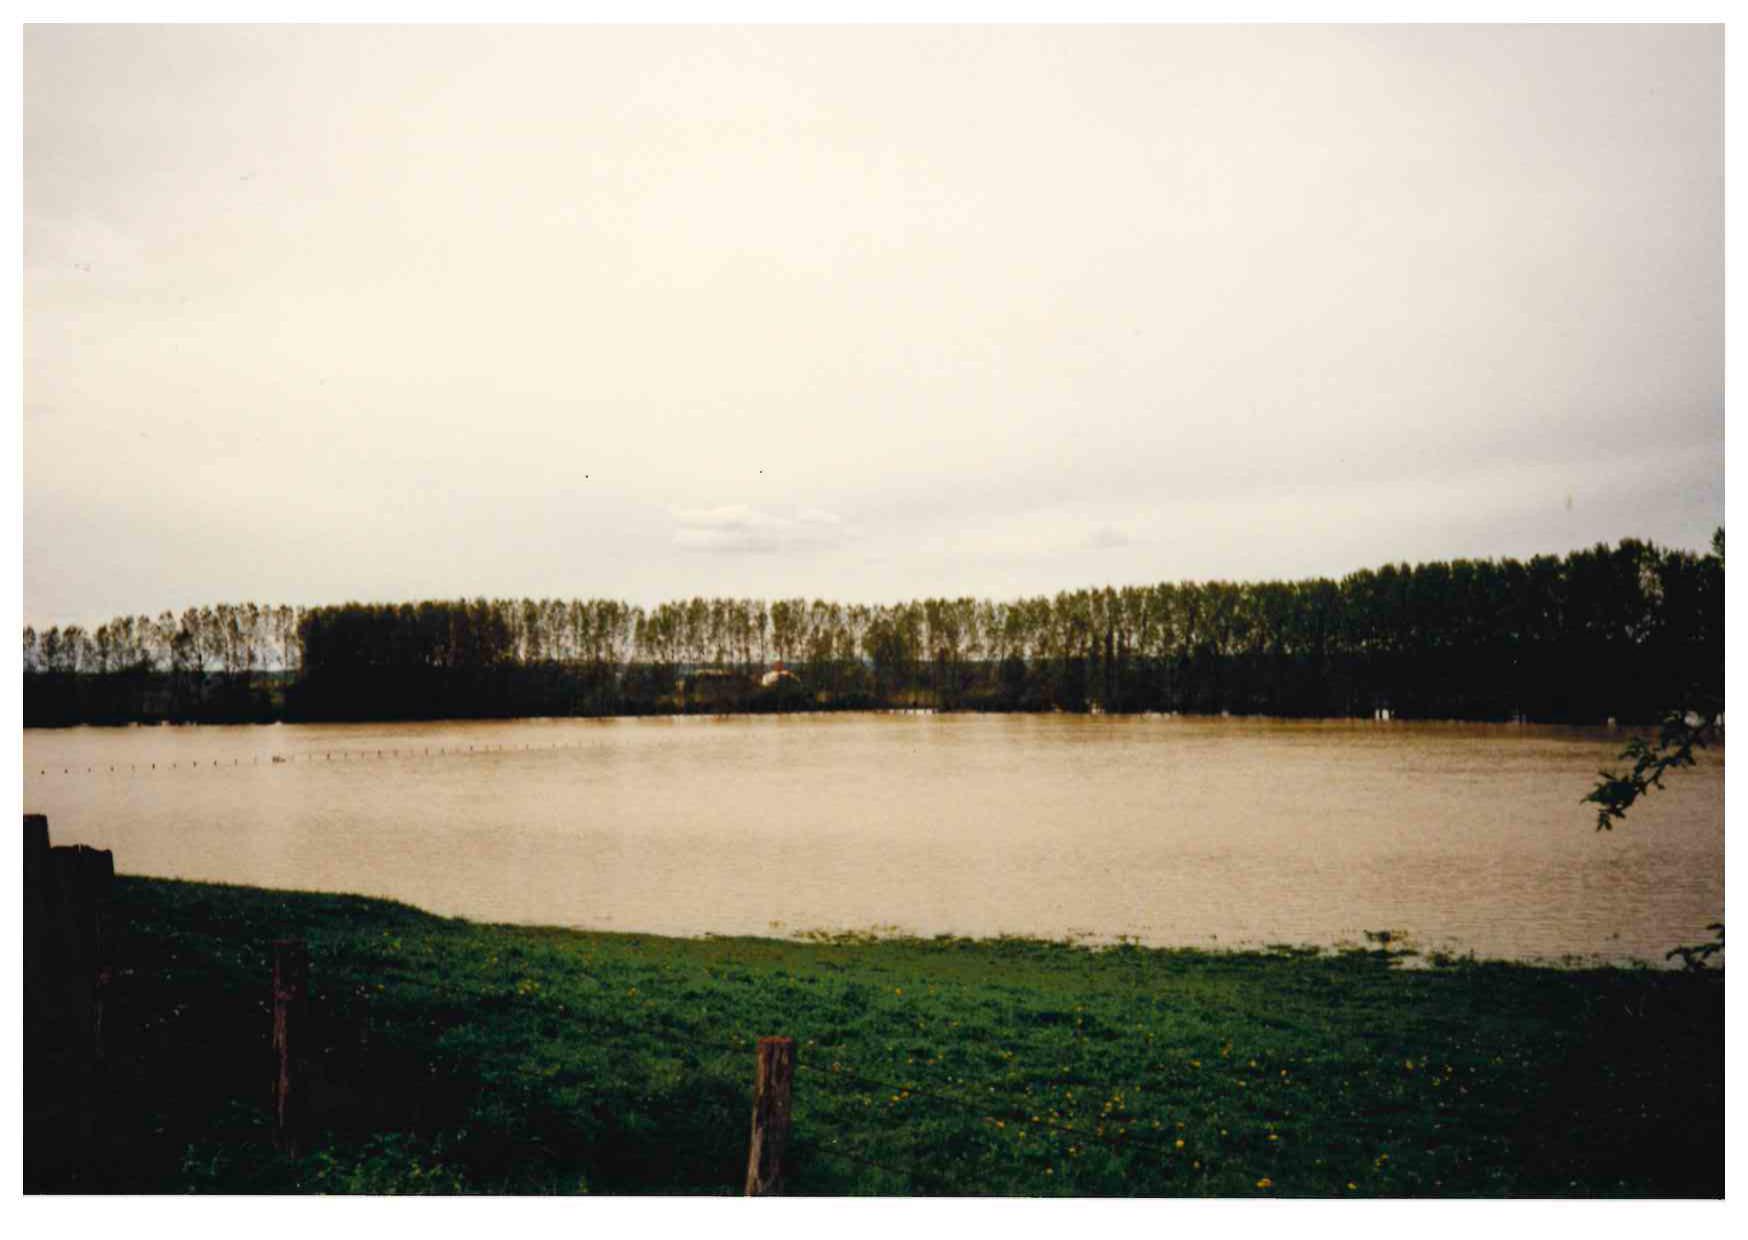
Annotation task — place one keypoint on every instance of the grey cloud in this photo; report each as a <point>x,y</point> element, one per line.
<point>744,528</point>
<point>1105,537</point>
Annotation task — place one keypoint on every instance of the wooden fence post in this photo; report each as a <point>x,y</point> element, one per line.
<point>36,875</point>
<point>291,970</point>
<point>771,1080</point>
<point>67,946</point>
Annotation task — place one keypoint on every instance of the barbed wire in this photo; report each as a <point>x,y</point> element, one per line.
<point>695,1046</point>
<point>837,1150</point>
<point>998,1115</point>
<point>1005,1108</point>
<point>693,1043</point>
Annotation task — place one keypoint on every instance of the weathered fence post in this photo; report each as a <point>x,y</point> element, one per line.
<point>36,867</point>
<point>291,970</point>
<point>75,959</point>
<point>771,1080</point>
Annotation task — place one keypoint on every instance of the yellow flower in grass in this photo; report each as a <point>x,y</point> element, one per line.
<point>1265,1182</point>
<point>1180,1143</point>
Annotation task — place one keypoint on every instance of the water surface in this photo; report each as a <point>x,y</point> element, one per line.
<point>1172,831</point>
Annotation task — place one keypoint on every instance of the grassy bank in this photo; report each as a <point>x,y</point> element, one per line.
<point>460,1057</point>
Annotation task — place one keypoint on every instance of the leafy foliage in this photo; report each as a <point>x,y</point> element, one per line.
<point>1692,725</point>
<point>1682,733</point>
<point>1697,958</point>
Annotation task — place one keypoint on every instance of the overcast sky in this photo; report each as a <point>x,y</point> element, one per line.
<point>865,314</point>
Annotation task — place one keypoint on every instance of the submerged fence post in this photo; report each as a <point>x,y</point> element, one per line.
<point>771,1080</point>
<point>291,970</point>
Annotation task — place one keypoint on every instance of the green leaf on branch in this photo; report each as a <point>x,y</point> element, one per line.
<point>1682,733</point>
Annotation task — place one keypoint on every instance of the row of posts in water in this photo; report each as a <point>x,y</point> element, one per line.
<point>343,755</point>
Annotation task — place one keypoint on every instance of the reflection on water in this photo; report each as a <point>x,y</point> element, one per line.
<point>1190,832</point>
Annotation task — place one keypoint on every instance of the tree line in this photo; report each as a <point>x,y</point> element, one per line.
<point>1604,632</point>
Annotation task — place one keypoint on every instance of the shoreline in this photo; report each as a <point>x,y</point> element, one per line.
<point>1398,947</point>
<point>1355,721</point>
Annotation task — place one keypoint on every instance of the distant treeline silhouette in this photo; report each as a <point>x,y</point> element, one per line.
<point>1617,632</point>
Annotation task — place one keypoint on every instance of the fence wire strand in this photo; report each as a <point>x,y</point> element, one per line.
<point>1005,1113</point>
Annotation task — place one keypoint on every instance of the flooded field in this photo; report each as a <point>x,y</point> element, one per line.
<point>1171,831</point>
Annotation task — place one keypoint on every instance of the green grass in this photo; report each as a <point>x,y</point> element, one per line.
<point>458,1057</point>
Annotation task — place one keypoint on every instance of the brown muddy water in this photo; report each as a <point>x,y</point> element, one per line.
<point>1211,833</point>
